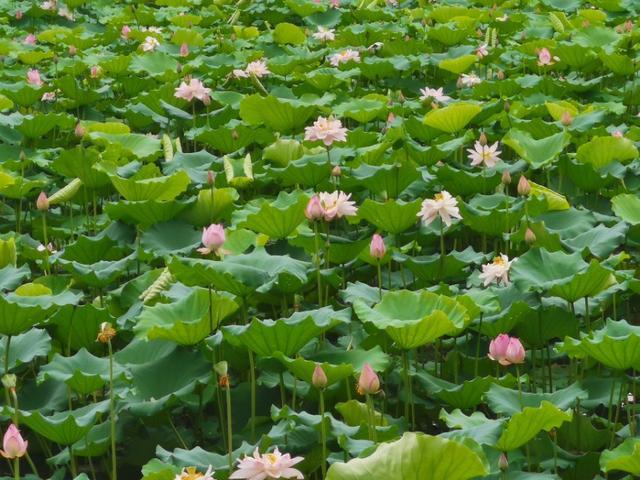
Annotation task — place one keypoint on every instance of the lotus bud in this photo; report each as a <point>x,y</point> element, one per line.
<point>107,332</point>
<point>23,156</point>
<point>628,25</point>
<point>523,186</point>
<point>503,462</point>
<point>13,445</point>
<point>234,134</point>
<point>483,139</point>
<point>42,203</point>
<point>184,50</point>
<point>377,247</point>
<point>73,50</point>
<point>500,75</point>
<point>222,369</point>
<point>79,130</point>
<point>506,177</point>
<point>314,210</point>
<point>336,171</point>
<point>390,118</point>
<point>211,177</point>
<point>319,378</point>
<point>9,380</point>
<point>515,351</point>
<point>96,71</point>
<point>19,15</point>
<point>369,383</point>
<point>529,237</point>
<point>566,118</point>
<point>617,134</point>
<point>124,33</point>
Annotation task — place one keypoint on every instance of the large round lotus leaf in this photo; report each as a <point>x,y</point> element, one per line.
<point>131,144</point>
<point>34,126</point>
<point>617,345</point>
<point>392,216</point>
<point>508,401</point>
<point>159,189</point>
<point>625,457</point>
<point>413,319</point>
<point>147,212</point>
<point>458,65</point>
<point>186,321</point>
<point>537,152</point>
<point>207,210</point>
<point>277,219</point>
<point>389,179</point>
<point>25,347</point>
<point>462,182</point>
<point>98,274</point>
<point>308,171</point>
<point>281,115</point>
<point>601,151</point>
<point>452,118</point>
<point>304,369</point>
<point>356,357</point>
<point>170,237</point>
<point>77,327</point>
<point>430,267</point>
<point>78,162</point>
<point>525,425</point>
<point>555,201</point>
<point>362,110</point>
<point>627,207</point>
<point>17,316</point>
<point>287,335</point>
<point>10,276</point>
<point>414,457</point>
<point>88,250</point>
<point>466,395</point>
<point>492,214</point>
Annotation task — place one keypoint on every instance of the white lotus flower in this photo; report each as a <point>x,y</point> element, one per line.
<point>442,205</point>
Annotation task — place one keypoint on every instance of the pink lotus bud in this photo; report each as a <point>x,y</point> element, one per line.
<point>319,378</point>
<point>369,383</point>
<point>42,203</point>
<point>79,130</point>
<point>211,177</point>
<point>30,39</point>
<point>523,186</point>
<point>213,237</point>
<point>390,118</point>
<point>515,351</point>
<point>628,25</point>
<point>377,247</point>
<point>14,446</point>
<point>96,71</point>
<point>124,33</point>
<point>73,50</point>
<point>335,3</point>
<point>529,237</point>
<point>184,50</point>
<point>336,171</point>
<point>617,134</point>
<point>566,118</point>
<point>33,77</point>
<point>506,177</point>
<point>314,210</point>
<point>19,15</point>
<point>503,462</point>
<point>506,350</point>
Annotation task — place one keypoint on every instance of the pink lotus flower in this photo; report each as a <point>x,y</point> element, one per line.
<point>368,383</point>
<point>124,32</point>
<point>184,50</point>
<point>617,134</point>
<point>319,378</point>
<point>66,13</point>
<point>258,68</point>
<point>566,119</point>
<point>335,3</point>
<point>30,39</point>
<point>443,205</point>
<point>377,248</point>
<point>267,466</point>
<point>545,58</point>
<point>328,130</point>
<point>506,350</point>
<point>325,34</point>
<point>73,50</point>
<point>48,5</point>
<point>314,210</point>
<point>193,89</point>
<point>190,473</point>
<point>489,155</point>
<point>19,15</point>
<point>497,271</point>
<point>33,77</point>
<point>337,205</point>
<point>42,203</point>
<point>344,56</point>
<point>13,445</point>
<point>79,131</point>
<point>96,71</point>
<point>150,44</point>
<point>482,51</point>
<point>213,237</point>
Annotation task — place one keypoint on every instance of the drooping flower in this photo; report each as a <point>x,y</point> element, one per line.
<point>190,473</point>
<point>435,94</point>
<point>124,32</point>
<point>482,51</point>
<point>194,89</point>
<point>489,155</point>
<point>319,378</point>
<point>328,130</point>
<point>506,350</point>
<point>150,44</point>
<point>267,466</point>
<point>377,249</point>
<point>13,445</point>
<point>324,34</point>
<point>443,205</point>
<point>30,39</point>
<point>314,210</point>
<point>344,56</point>
<point>184,50</point>
<point>368,383</point>
<point>497,271</point>
<point>106,333</point>
<point>469,80</point>
<point>545,58</point>
<point>337,205</point>
<point>213,237</point>
<point>33,77</point>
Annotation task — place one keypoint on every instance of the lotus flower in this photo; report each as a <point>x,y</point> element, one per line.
<point>482,51</point>
<point>368,383</point>
<point>324,34</point>
<point>434,94</point>
<point>443,205</point>
<point>497,271</point>
<point>337,205</point>
<point>184,50</point>
<point>48,97</point>
<point>377,248</point>
<point>124,32</point>
<point>190,473</point>
<point>33,77</point>
<point>150,44</point>
<point>617,134</point>
<point>194,89</point>
<point>524,188</point>
<point>489,155</point>
<point>469,80</point>
<point>213,237</point>
<point>30,39</point>
<point>267,466</point>
<point>314,210</point>
<point>506,350</point>
<point>13,445</point>
<point>48,5</point>
<point>545,58</point>
<point>328,130</point>
<point>96,71</point>
<point>344,56</point>
<point>42,203</point>
<point>319,378</point>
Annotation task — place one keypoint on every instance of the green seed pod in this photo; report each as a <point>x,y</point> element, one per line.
<point>162,282</point>
<point>178,145</point>
<point>167,147</point>
<point>556,23</point>
<point>66,193</point>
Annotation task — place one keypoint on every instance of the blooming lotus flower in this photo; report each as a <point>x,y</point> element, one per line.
<point>48,5</point>
<point>344,56</point>
<point>48,248</point>
<point>337,205</point>
<point>368,383</point>
<point>190,473</point>
<point>497,271</point>
<point>258,68</point>
<point>33,77</point>
<point>328,130</point>
<point>30,39</point>
<point>377,248</point>
<point>267,466</point>
<point>48,97</point>
<point>194,89</point>
<point>335,3</point>
<point>325,34</point>
<point>443,205</point>
<point>617,134</point>
<point>124,32</point>
<point>213,237</point>
<point>506,350</point>
<point>545,58</point>
<point>66,13</point>
<point>184,50</point>
<point>150,44</point>
<point>319,378</point>
<point>469,80</point>
<point>433,94</point>
<point>489,155</point>
<point>314,210</point>
<point>13,445</point>
<point>482,51</point>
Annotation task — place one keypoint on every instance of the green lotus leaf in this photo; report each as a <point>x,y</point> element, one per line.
<point>170,237</point>
<point>36,126</point>
<point>466,395</point>
<point>230,139</point>
<point>462,182</point>
<point>413,319</point>
<point>158,189</point>
<point>308,171</point>
<point>627,207</point>
<point>476,426</point>
<point>449,34</point>
<point>147,212</point>
<point>525,425</point>
<point>186,321</point>
<point>207,210</point>
<point>286,335</point>
<point>601,151</point>
<point>414,457</point>
<point>342,251</point>
<point>17,316</point>
<point>238,171</point>
<point>277,113</point>
<point>154,63</point>
<point>452,118</point>
<point>430,267</point>
<point>558,109</point>
<point>304,369</point>
<point>25,347</point>
<point>89,250</point>
<point>277,219</point>
<point>508,401</point>
<point>98,274</point>
<point>288,33</point>
<point>581,434</point>
<point>131,144</point>
<point>390,180</point>
<point>392,216</point>
<point>362,110</point>
<point>458,65</point>
<point>8,253</point>
<point>625,457</point>
<point>77,327</point>
<point>492,214</point>
<point>11,277</point>
<point>555,201</point>
<point>536,152</point>
<point>95,443</point>
<point>283,151</point>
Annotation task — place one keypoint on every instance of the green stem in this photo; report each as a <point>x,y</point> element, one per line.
<point>519,387</point>
<point>323,436</point>
<point>16,468</point>
<point>112,414</point>
<point>379,280</point>
<point>441,249</point>
<point>477,360</point>
<point>229,428</point>
<point>6,367</point>
<point>317,262</point>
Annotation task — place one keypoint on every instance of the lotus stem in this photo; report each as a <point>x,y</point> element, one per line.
<point>46,242</point>
<point>477,360</point>
<point>441,249</point>
<point>16,468</point>
<point>112,416</point>
<point>372,418</point>
<point>379,280</point>
<point>519,387</point>
<point>317,262</point>
<point>229,427</point>
<point>323,435</point>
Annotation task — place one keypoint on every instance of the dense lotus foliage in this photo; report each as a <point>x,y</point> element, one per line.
<point>341,239</point>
